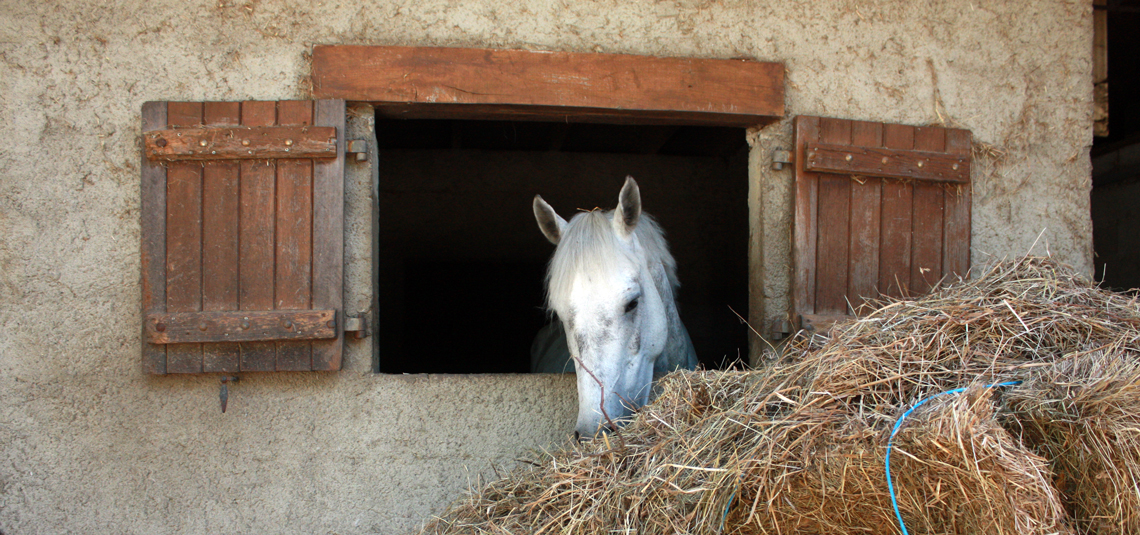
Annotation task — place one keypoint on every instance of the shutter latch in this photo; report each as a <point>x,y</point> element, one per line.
<point>358,326</point>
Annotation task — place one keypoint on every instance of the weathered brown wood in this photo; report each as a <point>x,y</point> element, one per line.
<point>833,239</point>
<point>894,250</point>
<point>184,239</point>
<point>232,242</point>
<point>926,240</point>
<point>833,227</point>
<point>220,195</point>
<point>240,326</point>
<point>1100,41</point>
<point>926,219</point>
<point>184,114</point>
<point>562,114</point>
<point>866,221</point>
<point>293,283</point>
<point>806,214</point>
<point>328,234</point>
<point>257,237</point>
<point>241,143</point>
<point>956,223</point>
<point>821,323</point>
<point>152,222</point>
<point>521,84</point>
<point>901,236</point>
<point>882,162</point>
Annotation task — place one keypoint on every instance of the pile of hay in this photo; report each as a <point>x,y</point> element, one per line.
<point>799,447</point>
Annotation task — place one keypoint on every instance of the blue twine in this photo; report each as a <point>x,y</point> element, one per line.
<point>726,508</point>
<point>898,424</point>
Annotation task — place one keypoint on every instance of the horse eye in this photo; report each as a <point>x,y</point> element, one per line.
<point>631,306</point>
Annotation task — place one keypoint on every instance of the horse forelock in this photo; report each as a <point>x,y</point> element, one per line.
<point>590,245</point>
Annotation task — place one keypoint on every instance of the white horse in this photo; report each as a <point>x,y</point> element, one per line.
<point>612,283</point>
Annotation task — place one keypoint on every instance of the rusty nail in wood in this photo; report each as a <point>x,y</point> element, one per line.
<point>849,157</point>
<point>245,323</point>
<point>202,326</point>
<point>288,142</point>
<point>202,142</point>
<point>331,324</point>
<point>288,324</point>
<point>920,163</point>
<point>161,142</point>
<point>954,167</point>
<point>160,327</point>
<point>884,159</point>
<point>245,142</point>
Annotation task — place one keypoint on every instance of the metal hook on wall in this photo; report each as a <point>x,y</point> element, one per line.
<point>224,395</point>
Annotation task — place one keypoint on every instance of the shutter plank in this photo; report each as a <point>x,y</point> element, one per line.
<point>926,248</point>
<point>866,212</point>
<point>152,207</point>
<point>807,196</point>
<point>240,143</point>
<point>328,234</point>
<point>257,237</point>
<point>239,326</point>
<point>293,283</point>
<point>956,222</point>
<point>894,251</point>
<point>220,195</point>
<point>184,240</point>
<point>833,227</point>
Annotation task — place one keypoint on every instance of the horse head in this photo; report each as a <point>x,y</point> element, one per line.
<point>611,283</point>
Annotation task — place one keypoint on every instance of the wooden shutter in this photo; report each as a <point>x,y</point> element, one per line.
<point>880,209</point>
<point>242,236</point>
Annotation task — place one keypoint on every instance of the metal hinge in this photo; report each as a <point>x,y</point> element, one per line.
<point>780,158</point>
<point>358,326</point>
<point>359,147</point>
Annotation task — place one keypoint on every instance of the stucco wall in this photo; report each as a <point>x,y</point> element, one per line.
<point>90,444</point>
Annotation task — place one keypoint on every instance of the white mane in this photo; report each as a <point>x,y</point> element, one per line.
<point>588,244</point>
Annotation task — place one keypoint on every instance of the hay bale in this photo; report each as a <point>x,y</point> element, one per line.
<point>799,446</point>
<point>1083,413</point>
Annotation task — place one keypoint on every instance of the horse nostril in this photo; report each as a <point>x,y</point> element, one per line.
<point>577,436</point>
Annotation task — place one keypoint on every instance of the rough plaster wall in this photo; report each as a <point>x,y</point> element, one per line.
<point>89,444</point>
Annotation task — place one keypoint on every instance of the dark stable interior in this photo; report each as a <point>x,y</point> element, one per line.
<point>461,261</point>
<point>1116,158</point>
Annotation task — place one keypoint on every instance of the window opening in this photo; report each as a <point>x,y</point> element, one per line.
<point>461,260</point>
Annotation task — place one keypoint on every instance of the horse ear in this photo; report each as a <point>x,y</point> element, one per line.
<point>549,222</point>
<point>628,211</point>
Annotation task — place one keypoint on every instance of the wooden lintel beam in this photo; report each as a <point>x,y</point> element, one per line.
<point>424,82</point>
